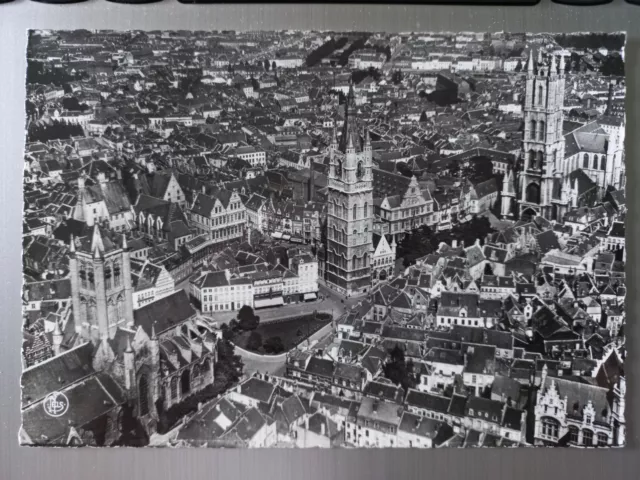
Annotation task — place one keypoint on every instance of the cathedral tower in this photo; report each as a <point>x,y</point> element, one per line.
<point>540,181</point>
<point>350,207</point>
<point>101,289</point>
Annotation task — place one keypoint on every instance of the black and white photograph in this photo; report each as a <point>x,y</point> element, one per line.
<point>323,239</point>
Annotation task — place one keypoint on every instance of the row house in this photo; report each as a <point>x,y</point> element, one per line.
<point>467,309</point>
<point>497,287</point>
<point>221,217</point>
<point>327,376</point>
<point>405,212</point>
<point>219,291</point>
<point>150,283</point>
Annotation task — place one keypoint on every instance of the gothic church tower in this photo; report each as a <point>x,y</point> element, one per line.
<point>350,207</point>
<point>101,289</point>
<point>540,182</point>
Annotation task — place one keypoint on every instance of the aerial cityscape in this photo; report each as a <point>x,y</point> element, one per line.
<point>297,239</point>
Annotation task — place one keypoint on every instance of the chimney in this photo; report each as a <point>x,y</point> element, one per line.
<point>323,428</point>
<point>454,243</point>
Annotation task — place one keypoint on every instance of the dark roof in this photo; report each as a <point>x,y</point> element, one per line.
<point>165,313</point>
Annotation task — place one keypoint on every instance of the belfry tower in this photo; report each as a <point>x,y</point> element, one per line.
<point>540,182</point>
<point>101,289</point>
<point>350,207</point>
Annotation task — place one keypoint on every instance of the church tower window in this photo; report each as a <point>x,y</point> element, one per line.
<point>143,395</point>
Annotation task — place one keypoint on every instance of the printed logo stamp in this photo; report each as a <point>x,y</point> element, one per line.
<point>56,404</point>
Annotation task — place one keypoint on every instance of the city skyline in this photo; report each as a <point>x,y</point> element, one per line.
<point>324,239</point>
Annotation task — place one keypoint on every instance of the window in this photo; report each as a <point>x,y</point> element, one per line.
<point>540,95</point>
<point>143,395</point>
<point>574,434</point>
<point>541,130</point>
<point>603,439</point>
<point>174,388</point>
<point>585,161</point>
<point>587,437</point>
<point>550,427</point>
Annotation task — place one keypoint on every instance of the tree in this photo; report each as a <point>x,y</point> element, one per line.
<point>398,370</point>
<point>266,64</point>
<point>273,65</point>
<point>247,320</point>
<point>229,365</point>
<point>404,169</point>
<point>56,130</point>
<point>613,65</point>
<point>415,245</point>
<point>454,168</point>
<point>254,342</point>
<point>72,103</point>
<point>488,269</point>
<point>480,169</point>
<point>273,345</point>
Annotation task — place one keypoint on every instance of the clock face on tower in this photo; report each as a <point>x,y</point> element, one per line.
<point>360,170</point>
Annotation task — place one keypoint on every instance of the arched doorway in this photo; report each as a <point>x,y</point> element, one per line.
<point>383,275</point>
<point>528,214</point>
<point>532,194</point>
<point>185,382</point>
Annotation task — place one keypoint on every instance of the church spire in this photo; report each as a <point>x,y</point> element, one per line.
<point>530,65</point>
<point>72,245</point>
<point>97,246</point>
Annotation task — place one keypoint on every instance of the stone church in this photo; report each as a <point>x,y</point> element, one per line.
<point>110,356</point>
<point>564,165</point>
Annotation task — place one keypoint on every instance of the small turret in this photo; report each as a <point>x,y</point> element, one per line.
<point>97,246</point>
<point>563,67</point>
<point>530,63</point>
<point>57,338</point>
<point>129,364</point>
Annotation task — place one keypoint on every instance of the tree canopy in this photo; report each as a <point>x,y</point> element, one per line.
<point>273,345</point>
<point>247,320</point>
<point>324,50</point>
<point>423,240</point>
<point>613,65</point>
<point>399,370</point>
<point>54,131</point>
